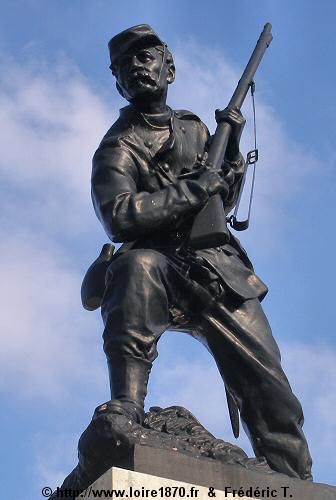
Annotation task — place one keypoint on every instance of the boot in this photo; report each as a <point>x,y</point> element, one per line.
<point>128,383</point>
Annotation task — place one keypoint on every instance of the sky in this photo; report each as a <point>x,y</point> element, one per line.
<point>57,99</point>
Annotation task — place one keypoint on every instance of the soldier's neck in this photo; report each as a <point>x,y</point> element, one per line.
<point>150,109</point>
<point>151,106</point>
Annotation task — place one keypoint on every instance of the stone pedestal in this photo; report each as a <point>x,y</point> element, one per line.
<point>165,474</point>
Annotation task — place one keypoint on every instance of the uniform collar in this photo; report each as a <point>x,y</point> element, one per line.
<point>153,121</point>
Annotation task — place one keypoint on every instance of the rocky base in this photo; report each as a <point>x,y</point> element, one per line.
<point>110,441</point>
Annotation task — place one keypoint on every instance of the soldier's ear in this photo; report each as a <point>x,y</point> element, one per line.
<point>171,68</point>
<point>120,90</point>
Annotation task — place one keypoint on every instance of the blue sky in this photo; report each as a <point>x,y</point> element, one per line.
<point>57,99</point>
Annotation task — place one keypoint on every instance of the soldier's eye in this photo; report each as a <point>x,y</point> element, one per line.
<point>144,56</point>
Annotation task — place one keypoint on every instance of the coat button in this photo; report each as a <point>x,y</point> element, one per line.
<point>165,167</point>
<point>183,130</point>
<point>199,156</point>
<point>148,144</point>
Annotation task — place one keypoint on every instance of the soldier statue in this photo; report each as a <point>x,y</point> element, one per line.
<point>148,185</point>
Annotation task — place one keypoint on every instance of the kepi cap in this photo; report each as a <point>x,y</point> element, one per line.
<point>121,43</point>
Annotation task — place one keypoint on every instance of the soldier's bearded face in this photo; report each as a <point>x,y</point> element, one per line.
<point>141,74</point>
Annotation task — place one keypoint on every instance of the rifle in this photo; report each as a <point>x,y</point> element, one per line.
<point>209,228</point>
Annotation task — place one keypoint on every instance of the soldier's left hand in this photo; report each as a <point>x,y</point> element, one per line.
<point>237,121</point>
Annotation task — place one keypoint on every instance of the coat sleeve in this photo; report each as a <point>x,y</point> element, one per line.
<point>128,214</point>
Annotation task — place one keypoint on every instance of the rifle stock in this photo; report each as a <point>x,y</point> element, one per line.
<point>209,227</point>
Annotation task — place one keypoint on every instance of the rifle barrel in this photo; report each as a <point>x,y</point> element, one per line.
<point>243,85</point>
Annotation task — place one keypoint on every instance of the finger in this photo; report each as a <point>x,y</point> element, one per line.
<point>236,113</point>
<point>239,119</point>
<point>230,115</point>
<point>233,115</point>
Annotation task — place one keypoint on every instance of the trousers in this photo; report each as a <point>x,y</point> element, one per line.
<point>145,286</point>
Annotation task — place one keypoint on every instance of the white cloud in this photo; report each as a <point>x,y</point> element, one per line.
<point>51,123</point>
<point>49,345</point>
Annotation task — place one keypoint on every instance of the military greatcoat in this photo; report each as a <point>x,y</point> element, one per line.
<point>145,193</point>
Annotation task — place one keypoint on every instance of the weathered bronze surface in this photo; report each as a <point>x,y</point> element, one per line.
<point>148,185</point>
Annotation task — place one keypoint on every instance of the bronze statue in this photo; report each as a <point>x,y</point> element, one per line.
<point>148,185</point>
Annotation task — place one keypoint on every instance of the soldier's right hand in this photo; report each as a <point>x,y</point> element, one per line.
<point>213,183</point>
